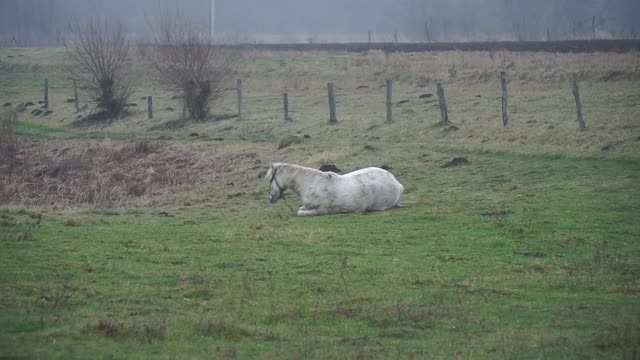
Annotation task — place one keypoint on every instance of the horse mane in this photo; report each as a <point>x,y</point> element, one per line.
<point>295,170</point>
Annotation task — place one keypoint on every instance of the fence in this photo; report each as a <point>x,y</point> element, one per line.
<point>333,111</point>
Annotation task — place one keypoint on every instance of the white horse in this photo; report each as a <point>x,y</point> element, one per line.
<point>370,189</point>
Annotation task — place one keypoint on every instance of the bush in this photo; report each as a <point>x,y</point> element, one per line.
<point>100,51</point>
<point>185,62</point>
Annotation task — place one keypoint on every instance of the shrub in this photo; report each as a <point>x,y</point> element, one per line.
<point>100,52</point>
<point>185,62</point>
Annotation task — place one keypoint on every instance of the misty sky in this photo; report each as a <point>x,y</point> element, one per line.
<point>247,20</point>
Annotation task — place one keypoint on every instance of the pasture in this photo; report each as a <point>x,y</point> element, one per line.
<point>146,238</point>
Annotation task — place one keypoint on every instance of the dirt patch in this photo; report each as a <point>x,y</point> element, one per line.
<point>614,75</point>
<point>100,118</point>
<point>169,125</point>
<point>497,213</point>
<point>608,147</point>
<point>456,162</point>
<point>68,174</point>
<point>290,140</point>
<point>534,254</point>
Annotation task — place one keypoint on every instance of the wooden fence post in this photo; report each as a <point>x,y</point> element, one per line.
<point>75,95</point>
<point>332,104</point>
<point>285,101</point>
<point>389,102</point>
<point>150,107</point>
<point>505,111</point>
<point>46,93</point>
<point>576,94</point>
<point>239,88</point>
<point>444,112</point>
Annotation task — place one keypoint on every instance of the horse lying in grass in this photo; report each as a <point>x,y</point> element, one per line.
<point>370,189</point>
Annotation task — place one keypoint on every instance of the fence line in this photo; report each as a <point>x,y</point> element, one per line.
<point>442,102</point>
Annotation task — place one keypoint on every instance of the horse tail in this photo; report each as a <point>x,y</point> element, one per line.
<point>398,200</point>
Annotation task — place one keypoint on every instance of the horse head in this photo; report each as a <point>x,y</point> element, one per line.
<point>276,191</point>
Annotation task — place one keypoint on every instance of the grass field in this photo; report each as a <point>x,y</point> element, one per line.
<point>530,250</point>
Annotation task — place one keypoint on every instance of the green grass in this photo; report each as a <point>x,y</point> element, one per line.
<point>528,251</point>
<point>510,256</point>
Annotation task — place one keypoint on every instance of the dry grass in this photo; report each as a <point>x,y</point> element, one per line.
<point>8,140</point>
<point>68,174</point>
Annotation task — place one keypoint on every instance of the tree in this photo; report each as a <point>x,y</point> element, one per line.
<point>100,52</point>
<point>185,61</point>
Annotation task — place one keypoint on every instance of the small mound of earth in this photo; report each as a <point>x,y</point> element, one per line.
<point>497,213</point>
<point>534,254</point>
<point>290,140</point>
<point>169,125</point>
<point>99,118</point>
<point>330,168</point>
<point>456,162</point>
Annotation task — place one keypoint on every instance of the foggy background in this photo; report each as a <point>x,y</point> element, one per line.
<point>45,22</point>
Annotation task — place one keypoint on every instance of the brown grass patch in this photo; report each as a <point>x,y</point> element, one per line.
<point>149,332</point>
<point>8,139</point>
<point>66,174</point>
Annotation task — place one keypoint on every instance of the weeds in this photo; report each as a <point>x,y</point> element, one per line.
<point>246,285</point>
<point>26,234</point>
<point>343,267</point>
<point>106,174</point>
<point>72,222</point>
<point>619,336</point>
<point>115,328</point>
<point>8,140</point>
<point>222,329</point>
<point>57,297</point>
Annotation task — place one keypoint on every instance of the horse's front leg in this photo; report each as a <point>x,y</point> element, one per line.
<point>306,212</point>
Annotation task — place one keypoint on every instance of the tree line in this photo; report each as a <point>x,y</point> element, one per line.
<point>46,22</point>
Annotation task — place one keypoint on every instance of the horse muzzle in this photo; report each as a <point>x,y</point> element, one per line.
<point>274,199</point>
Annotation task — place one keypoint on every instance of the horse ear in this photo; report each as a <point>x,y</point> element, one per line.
<point>269,172</point>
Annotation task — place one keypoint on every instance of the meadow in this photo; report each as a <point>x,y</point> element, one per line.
<point>142,238</point>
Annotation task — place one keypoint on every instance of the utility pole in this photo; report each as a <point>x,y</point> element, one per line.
<point>212,20</point>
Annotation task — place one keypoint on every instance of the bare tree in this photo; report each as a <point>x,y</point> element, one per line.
<point>185,61</point>
<point>100,51</point>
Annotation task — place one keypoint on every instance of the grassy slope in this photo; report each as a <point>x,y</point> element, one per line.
<point>529,251</point>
